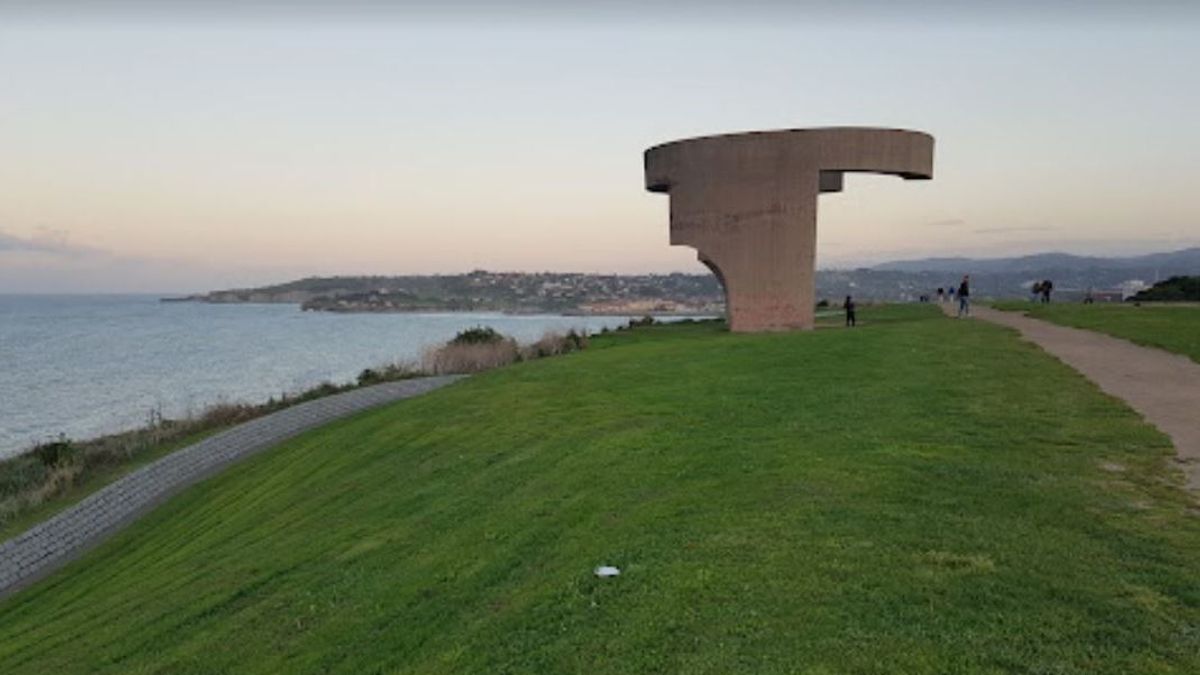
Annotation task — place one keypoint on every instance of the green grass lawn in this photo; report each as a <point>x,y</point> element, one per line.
<point>918,495</point>
<point>1175,328</point>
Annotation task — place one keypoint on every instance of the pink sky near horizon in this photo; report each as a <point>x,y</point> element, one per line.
<point>174,155</point>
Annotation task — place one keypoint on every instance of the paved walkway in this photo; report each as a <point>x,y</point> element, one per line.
<point>53,543</point>
<point>1163,387</point>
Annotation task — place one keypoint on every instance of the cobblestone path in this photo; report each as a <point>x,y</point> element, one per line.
<point>51,544</point>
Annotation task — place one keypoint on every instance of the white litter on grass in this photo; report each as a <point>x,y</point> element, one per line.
<point>606,571</point>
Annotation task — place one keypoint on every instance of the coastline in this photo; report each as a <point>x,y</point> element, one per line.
<point>87,366</point>
<point>630,311</point>
<point>50,475</point>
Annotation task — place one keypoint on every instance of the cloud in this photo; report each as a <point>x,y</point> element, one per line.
<point>1008,230</point>
<point>47,240</point>
<point>949,222</point>
<point>45,261</point>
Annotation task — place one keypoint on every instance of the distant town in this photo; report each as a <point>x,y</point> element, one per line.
<point>1075,278</point>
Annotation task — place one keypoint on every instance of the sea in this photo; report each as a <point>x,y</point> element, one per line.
<point>79,366</point>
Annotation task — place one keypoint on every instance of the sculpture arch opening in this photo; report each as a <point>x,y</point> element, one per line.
<point>716,271</point>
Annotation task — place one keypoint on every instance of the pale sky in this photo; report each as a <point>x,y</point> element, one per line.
<point>180,149</point>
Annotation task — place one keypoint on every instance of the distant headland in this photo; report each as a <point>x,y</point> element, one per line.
<point>696,294</point>
<point>509,292</point>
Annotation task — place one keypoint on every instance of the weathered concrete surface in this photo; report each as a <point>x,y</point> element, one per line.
<point>1161,386</point>
<point>47,546</point>
<point>748,204</point>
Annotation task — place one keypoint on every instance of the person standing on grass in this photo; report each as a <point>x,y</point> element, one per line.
<point>849,306</point>
<point>1047,286</point>
<point>964,297</point>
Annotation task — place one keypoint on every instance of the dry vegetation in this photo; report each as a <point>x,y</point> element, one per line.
<point>481,349</point>
<point>57,470</point>
<point>471,357</point>
<point>50,470</point>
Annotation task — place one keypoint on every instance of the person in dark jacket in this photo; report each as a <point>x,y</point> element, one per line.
<point>964,297</point>
<point>849,306</point>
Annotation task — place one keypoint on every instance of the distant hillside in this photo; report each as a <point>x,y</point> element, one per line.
<point>1048,262</point>
<point>514,292</point>
<point>520,292</point>
<point>1073,275</point>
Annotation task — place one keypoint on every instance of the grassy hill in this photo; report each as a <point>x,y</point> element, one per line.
<point>917,495</point>
<point>1171,327</point>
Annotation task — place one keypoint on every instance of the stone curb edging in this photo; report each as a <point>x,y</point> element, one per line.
<point>47,546</point>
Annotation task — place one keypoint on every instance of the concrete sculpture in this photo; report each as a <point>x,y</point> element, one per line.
<point>748,204</point>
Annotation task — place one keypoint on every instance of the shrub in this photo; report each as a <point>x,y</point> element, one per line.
<point>638,323</point>
<point>1175,289</point>
<point>224,414</point>
<point>27,484</point>
<point>56,452</point>
<point>457,357</point>
<point>320,391</point>
<point>60,478</point>
<point>479,335</point>
<point>18,473</point>
<point>553,344</point>
<point>388,373</point>
<point>118,448</point>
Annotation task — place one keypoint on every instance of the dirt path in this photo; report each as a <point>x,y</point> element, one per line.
<point>1163,387</point>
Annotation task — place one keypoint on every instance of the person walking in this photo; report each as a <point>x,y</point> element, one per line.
<point>849,306</point>
<point>964,297</point>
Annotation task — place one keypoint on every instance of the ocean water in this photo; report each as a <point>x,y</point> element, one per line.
<point>89,365</point>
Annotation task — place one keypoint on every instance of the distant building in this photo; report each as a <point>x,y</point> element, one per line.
<point>1130,288</point>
